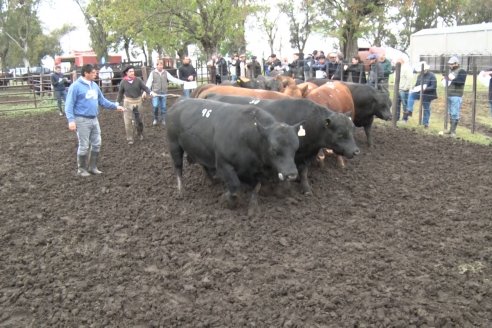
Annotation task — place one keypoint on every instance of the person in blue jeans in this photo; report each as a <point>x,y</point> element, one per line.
<point>59,83</point>
<point>82,108</point>
<point>187,73</point>
<point>485,74</point>
<point>157,83</point>
<point>456,80</point>
<point>427,81</point>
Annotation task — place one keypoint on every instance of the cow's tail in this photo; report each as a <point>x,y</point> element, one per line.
<point>198,91</point>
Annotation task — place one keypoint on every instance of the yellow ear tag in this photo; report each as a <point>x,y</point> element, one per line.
<point>301,132</point>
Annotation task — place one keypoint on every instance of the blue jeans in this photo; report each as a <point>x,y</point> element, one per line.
<point>454,107</point>
<point>187,93</point>
<point>401,103</point>
<point>159,102</point>
<point>490,104</point>
<point>89,135</point>
<point>61,97</point>
<point>412,96</point>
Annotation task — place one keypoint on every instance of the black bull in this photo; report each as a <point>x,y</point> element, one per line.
<point>369,102</point>
<point>235,143</point>
<point>323,128</point>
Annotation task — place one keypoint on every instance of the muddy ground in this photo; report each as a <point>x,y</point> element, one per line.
<point>400,238</point>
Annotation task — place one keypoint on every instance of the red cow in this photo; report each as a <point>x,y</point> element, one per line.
<point>337,97</point>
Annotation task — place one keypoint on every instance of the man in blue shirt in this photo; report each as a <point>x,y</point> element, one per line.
<point>81,108</point>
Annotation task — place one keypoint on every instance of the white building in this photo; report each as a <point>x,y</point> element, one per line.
<point>466,41</point>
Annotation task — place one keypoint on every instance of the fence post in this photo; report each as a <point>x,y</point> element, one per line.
<point>421,105</point>
<point>396,92</point>
<point>474,101</point>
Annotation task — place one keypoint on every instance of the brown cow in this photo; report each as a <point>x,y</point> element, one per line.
<point>337,97</point>
<point>289,92</point>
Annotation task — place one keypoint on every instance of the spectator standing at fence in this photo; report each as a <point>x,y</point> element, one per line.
<point>333,67</point>
<point>308,64</point>
<point>157,82</point>
<point>428,83</point>
<point>356,70</point>
<point>106,76</point>
<point>376,71</point>
<point>82,108</point>
<point>130,94</point>
<point>59,83</point>
<point>320,67</point>
<point>487,76</point>
<point>456,80</point>
<point>187,73</point>
<point>275,65</point>
<point>222,70</point>
<point>406,78</point>
<point>387,71</point>
<point>254,67</point>
<point>234,68</point>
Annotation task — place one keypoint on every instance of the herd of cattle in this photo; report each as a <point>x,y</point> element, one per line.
<point>244,136</point>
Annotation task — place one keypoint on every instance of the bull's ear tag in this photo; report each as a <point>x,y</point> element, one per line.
<point>301,132</point>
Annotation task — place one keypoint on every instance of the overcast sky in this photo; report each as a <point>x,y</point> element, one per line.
<point>55,13</point>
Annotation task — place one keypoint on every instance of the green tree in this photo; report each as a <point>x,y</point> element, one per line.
<point>347,20</point>
<point>302,17</point>
<point>474,12</point>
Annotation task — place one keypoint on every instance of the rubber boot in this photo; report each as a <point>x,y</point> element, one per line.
<point>93,163</point>
<point>156,116</point>
<point>452,129</point>
<point>82,166</point>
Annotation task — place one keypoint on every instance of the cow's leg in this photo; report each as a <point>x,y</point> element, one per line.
<point>341,161</point>
<point>253,202</point>
<point>177,155</point>
<point>303,174</point>
<point>368,130</point>
<point>320,158</point>
<point>231,180</point>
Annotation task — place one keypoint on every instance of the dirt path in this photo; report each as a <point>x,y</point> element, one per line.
<point>400,238</point>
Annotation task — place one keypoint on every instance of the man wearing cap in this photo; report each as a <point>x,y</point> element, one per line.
<point>275,66</point>
<point>456,84</point>
<point>427,84</point>
<point>254,67</point>
<point>376,71</point>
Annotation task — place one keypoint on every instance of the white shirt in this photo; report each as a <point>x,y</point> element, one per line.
<point>106,73</point>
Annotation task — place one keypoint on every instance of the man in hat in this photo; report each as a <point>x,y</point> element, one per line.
<point>81,108</point>
<point>426,85</point>
<point>59,83</point>
<point>130,94</point>
<point>254,67</point>
<point>275,65</point>
<point>376,71</point>
<point>157,83</point>
<point>455,80</point>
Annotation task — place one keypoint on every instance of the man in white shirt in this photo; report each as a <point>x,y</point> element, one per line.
<point>106,76</point>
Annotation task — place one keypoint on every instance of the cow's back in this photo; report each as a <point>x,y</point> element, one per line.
<point>335,96</point>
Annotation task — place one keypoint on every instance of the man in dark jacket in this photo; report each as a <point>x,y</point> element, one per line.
<point>187,73</point>
<point>426,82</point>
<point>59,83</point>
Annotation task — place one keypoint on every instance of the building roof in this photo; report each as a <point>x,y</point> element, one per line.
<point>455,29</point>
